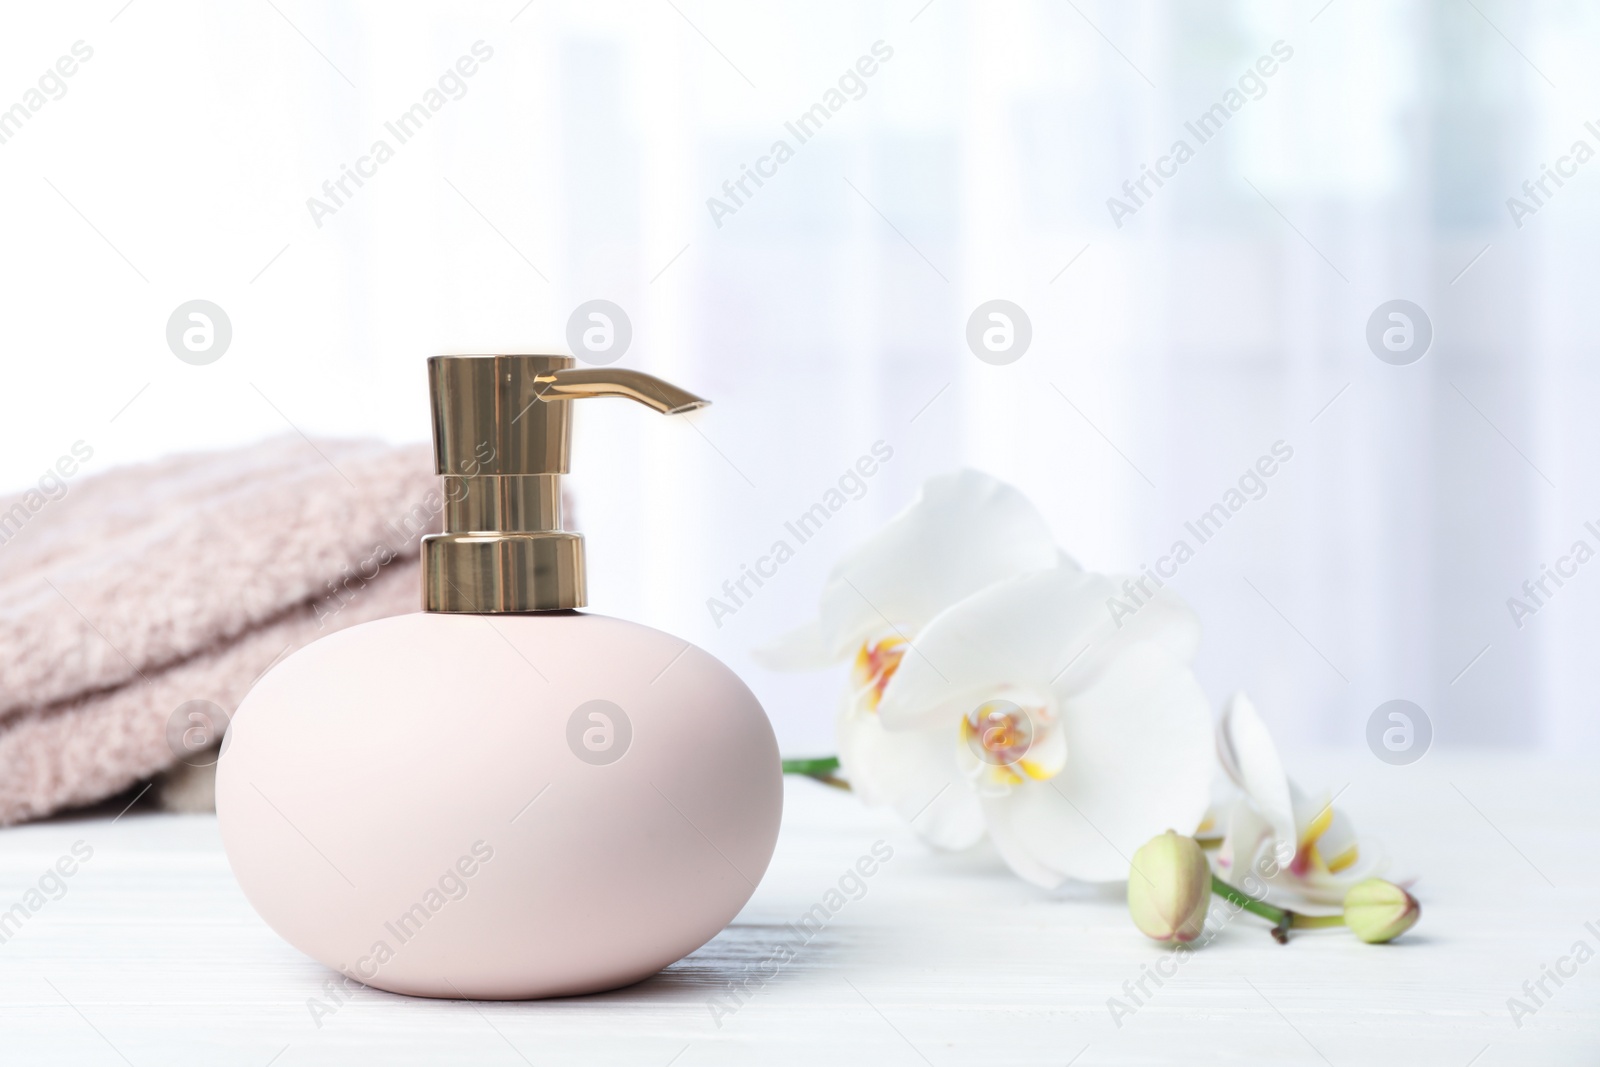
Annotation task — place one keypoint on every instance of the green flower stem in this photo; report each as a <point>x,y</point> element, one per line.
<point>811,767</point>
<point>1222,889</point>
<point>821,769</point>
<point>1282,918</point>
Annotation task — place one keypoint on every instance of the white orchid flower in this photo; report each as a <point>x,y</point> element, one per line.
<point>994,691</point>
<point>965,531</point>
<point>1296,843</point>
<point>1076,742</point>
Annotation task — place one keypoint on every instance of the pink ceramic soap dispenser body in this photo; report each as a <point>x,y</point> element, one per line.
<point>505,807</point>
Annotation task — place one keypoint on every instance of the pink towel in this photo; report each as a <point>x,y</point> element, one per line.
<point>147,587</point>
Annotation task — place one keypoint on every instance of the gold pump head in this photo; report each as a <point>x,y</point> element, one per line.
<point>502,439</point>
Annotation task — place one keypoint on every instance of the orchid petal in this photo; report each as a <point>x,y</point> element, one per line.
<point>966,530</point>
<point>1312,817</point>
<point>1010,840</point>
<point>1246,832</point>
<point>1048,756</point>
<point>948,817</point>
<point>1338,845</point>
<point>916,773</point>
<point>1251,759</point>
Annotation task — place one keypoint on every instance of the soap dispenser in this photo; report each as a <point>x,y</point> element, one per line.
<point>501,797</point>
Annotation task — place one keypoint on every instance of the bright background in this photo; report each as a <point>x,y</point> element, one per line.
<point>829,312</point>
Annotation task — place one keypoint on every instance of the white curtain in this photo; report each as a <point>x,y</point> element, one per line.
<point>828,312</point>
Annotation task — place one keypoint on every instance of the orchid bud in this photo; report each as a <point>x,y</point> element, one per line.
<point>1377,911</point>
<point>1169,888</point>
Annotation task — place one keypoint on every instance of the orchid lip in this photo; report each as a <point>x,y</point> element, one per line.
<point>999,732</point>
<point>875,665</point>
<point>1010,742</point>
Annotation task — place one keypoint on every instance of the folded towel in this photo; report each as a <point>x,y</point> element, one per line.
<point>147,587</point>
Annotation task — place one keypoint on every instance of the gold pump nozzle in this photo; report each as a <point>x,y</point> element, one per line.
<point>650,391</point>
<point>502,438</point>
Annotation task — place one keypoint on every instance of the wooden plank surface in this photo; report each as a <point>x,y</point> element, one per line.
<point>152,956</point>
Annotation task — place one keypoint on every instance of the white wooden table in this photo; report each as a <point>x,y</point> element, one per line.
<point>152,957</point>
